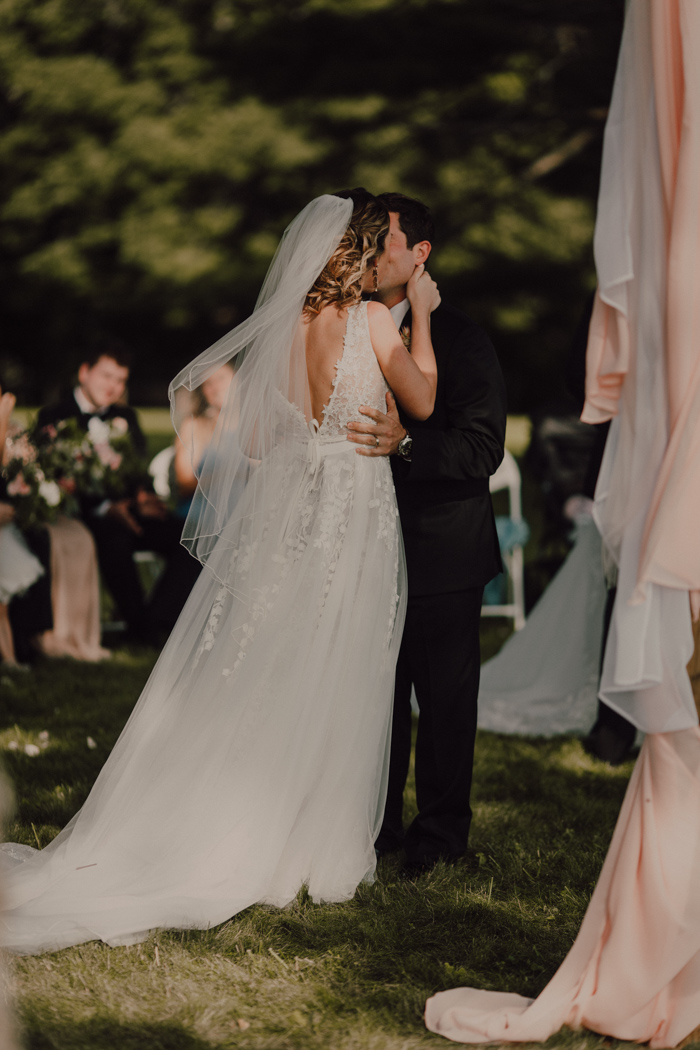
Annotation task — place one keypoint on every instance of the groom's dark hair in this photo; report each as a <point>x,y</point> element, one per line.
<point>359,195</point>
<point>414,217</point>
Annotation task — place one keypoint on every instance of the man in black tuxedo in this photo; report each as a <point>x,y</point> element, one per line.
<point>441,472</point>
<point>139,521</point>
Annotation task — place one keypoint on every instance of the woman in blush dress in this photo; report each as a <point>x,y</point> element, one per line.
<point>75,595</point>
<point>74,579</point>
<point>196,433</point>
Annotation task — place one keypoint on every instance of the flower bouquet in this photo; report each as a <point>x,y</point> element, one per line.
<point>100,463</point>
<point>32,484</point>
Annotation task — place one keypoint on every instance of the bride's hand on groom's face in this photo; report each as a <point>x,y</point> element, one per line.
<point>422,292</point>
<point>382,435</point>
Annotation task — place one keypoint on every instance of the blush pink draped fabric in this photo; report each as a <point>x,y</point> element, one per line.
<point>670,548</point>
<point>669,552</point>
<point>634,970</point>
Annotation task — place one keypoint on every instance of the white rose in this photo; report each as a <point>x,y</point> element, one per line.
<point>99,431</point>
<point>50,493</point>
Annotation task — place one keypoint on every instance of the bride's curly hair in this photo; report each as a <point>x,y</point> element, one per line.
<point>340,281</point>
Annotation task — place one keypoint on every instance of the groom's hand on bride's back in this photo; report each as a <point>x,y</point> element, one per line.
<point>380,433</point>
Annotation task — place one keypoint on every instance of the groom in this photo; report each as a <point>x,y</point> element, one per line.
<point>441,472</point>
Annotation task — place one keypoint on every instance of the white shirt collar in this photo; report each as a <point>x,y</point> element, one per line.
<point>399,311</point>
<point>85,405</point>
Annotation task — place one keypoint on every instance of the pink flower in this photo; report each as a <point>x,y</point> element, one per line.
<point>18,486</point>
<point>120,426</point>
<point>107,456</point>
<point>51,431</point>
<point>22,448</point>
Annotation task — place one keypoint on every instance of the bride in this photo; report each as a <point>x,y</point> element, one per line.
<point>255,760</point>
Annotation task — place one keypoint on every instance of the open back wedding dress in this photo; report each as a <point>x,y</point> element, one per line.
<point>255,760</point>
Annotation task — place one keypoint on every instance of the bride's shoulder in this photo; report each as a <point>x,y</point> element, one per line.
<point>380,320</point>
<point>377,313</point>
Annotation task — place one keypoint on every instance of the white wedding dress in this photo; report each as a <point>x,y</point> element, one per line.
<point>255,761</point>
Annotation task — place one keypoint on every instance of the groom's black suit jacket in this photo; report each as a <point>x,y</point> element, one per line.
<point>443,493</point>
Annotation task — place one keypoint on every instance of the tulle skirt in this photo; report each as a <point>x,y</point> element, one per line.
<point>256,758</point>
<point>545,679</point>
<point>19,569</point>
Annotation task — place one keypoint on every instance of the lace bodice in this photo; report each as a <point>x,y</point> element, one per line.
<point>358,380</point>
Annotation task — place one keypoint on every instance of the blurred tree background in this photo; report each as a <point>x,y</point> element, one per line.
<point>152,152</point>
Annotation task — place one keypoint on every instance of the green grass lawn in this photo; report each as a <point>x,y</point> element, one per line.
<point>344,976</point>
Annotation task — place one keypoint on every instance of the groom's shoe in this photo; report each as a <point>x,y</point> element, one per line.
<point>414,867</point>
<point>386,844</point>
<point>605,744</point>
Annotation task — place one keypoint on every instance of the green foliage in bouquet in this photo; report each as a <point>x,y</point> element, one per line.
<point>98,463</point>
<point>37,492</point>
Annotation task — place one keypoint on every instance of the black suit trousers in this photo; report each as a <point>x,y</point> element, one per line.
<point>440,657</point>
<point>115,548</point>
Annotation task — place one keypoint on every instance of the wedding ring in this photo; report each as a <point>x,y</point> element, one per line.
<point>376,442</point>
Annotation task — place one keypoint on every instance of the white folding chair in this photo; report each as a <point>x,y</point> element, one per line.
<point>160,469</point>
<point>508,477</point>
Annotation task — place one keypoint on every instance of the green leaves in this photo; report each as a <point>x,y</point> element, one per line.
<point>151,153</point>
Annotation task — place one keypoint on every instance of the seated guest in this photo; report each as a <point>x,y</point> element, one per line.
<point>50,572</point>
<point>19,569</point>
<point>139,520</point>
<point>31,611</point>
<point>197,433</point>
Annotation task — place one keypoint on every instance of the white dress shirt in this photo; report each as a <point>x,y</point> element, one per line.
<point>86,405</point>
<point>399,311</point>
<point>89,409</point>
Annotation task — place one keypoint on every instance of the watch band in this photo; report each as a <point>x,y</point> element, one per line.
<point>404,446</point>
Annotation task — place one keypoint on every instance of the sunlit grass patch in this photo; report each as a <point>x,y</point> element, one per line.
<point>350,976</point>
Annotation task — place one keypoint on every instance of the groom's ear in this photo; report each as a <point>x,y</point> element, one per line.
<point>421,251</point>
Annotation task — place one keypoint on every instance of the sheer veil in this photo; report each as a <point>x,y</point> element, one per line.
<point>268,401</point>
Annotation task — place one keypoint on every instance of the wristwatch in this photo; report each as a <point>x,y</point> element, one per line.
<point>404,446</point>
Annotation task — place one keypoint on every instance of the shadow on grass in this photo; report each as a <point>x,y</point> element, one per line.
<point>111,1035</point>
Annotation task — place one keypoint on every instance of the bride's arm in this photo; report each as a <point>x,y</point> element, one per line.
<point>187,455</point>
<point>412,376</point>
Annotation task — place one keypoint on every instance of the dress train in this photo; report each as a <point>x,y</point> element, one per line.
<point>255,760</point>
<point>544,680</point>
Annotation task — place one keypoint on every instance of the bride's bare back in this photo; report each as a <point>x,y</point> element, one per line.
<point>412,376</point>
<point>325,334</point>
